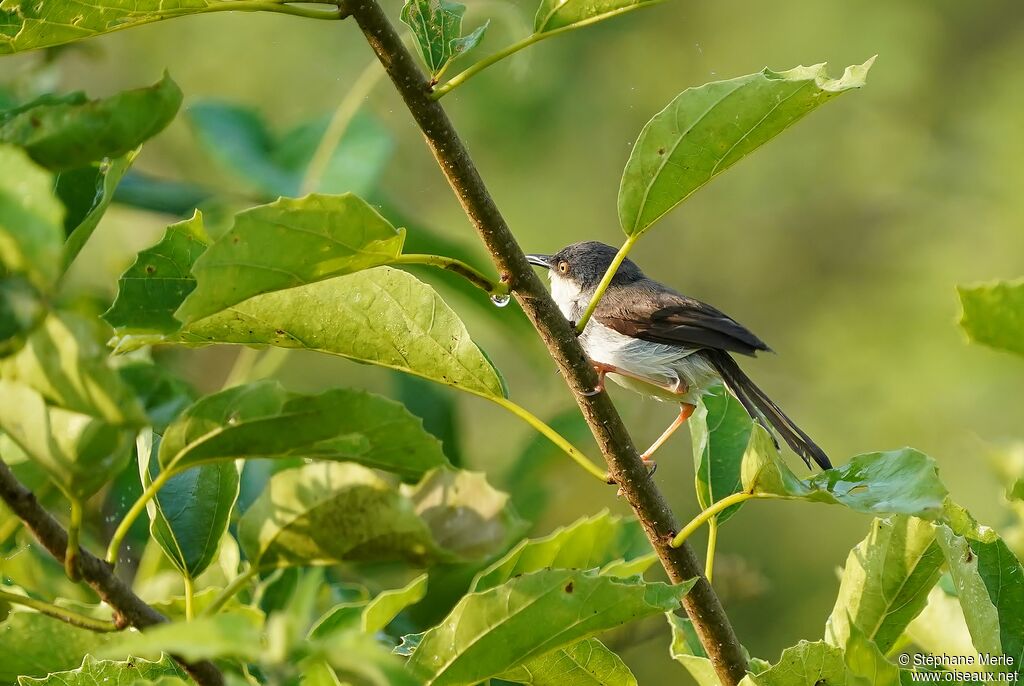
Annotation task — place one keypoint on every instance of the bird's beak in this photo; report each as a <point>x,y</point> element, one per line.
<point>540,260</point>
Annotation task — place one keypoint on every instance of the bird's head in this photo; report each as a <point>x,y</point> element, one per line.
<point>577,269</point>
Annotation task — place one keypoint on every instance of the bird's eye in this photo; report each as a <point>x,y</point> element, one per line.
<point>563,267</point>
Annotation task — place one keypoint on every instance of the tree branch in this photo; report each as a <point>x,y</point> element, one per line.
<point>624,464</point>
<point>98,574</point>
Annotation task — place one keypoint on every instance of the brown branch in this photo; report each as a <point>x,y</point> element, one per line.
<point>129,608</point>
<point>624,464</point>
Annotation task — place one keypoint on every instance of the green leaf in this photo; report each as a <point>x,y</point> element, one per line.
<point>86,192</point>
<point>901,481</point>
<point>190,514</point>
<point>203,638</point>
<point>989,582</point>
<point>865,663</point>
<point>557,14</point>
<point>467,516</point>
<point>323,513</point>
<point>73,132</point>
<point>587,663</point>
<point>159,280</point>
<point>262,420</point>
<point>241,141</point>
<point>95,672</point>
<point>720,431</point>
<point>34,645</point>
<point>379,316</point>
<point>707,129</point>
<point>588,543</point>
<point>289,243</point>
<point>80,453</point>
<point>805,664</point>
<point>360,659</point>
<point>21,310</point>
<point>31,220</point>
<point>940,629</point>
<point>993,314</point>
<point>62,360</point>
<point>886,582</point>
<point>491,632</point>
<point>437,26</point>
<point>372,616</point>
<point>687,651</point>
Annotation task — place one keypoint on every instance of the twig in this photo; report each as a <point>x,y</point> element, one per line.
<point>114,592</point>
<point>624,464</point>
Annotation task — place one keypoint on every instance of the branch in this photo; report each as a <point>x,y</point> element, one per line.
<point>624,464</point>
<point>128,607</point>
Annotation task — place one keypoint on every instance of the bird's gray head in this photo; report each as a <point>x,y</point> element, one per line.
<point>580,266</point>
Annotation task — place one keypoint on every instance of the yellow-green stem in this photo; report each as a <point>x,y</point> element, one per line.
<point>190,597</point>
<point>709,562</point>
<point>459,267</point>
<point>133,514</point>
<point>605,281</point>
<point>553,436</point>
<point>477,67</point>
<point>707,514</point>
<point>231,590</point>
<point>71,553</point>
<point>57,612</point>
<point>342,119</point>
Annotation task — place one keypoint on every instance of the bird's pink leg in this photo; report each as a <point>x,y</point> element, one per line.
<point>602,369</point>
<point>685,410</point>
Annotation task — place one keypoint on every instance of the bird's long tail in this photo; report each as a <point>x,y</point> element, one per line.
<point>759,405</point>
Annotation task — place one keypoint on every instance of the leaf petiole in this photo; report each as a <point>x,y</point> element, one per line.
<point>62,613</point>
<point>133,514</point>
<point>709,561</point>
<point>231,590</point>
<point>71,553</point>
<point>605,281</point>
<point>712,512</point>
<point>553,436</point>
<point>459,267</point>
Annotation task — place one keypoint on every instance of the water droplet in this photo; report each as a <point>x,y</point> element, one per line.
<point>500,300</point>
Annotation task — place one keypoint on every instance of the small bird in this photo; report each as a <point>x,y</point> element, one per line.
<point>661,343</point>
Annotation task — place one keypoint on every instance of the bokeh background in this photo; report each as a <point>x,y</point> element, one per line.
<point>839,243</point>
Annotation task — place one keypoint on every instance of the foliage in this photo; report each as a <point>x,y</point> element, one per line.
<point>357,528</point>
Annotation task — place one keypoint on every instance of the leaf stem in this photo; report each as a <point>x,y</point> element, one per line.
<point>340,121</point>
<point>709,561</point>
<point>711,512</point>
<point>62,613</point>
<point>459,267</point>
<point>477,67</point>
<point>553,436</point>
<point>133,514</point>
<point>190,597</point>
<point>231,590</point>
<point>74,528</point>
<point>259,6</point>
<point>605,281</point>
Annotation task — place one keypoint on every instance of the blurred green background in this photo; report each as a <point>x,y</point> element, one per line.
<point>839,243</point>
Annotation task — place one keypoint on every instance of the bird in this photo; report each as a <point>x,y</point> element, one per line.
<point>660,343</point>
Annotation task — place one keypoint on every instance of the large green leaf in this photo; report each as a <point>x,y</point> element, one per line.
<point>491,632</point>
<point>86,192</point>
<point>587,663</point>
<point>707,129</point>
<point>62,360</point>
<point>588,543</point>
<point>203,638</point>
<point>687,650</point>
<point>437,27</point>
<point>262,420</point>
<point>993,314</point>
<point>373,615</point>
<point>989,582</point>
<point>34,645</point>
<point>289,243</point>
<point>940,629</point>
<point>31,220</point>
<point>805,664</point>
<point>720,430</point>
<point>95,672</point>
<point>153,288</point>
<point>79,452</point>
<point>886,581</point>
<point>240,139</point>
<point>901,481</point>
<point>191,512</point>
<point>467,516</point>
<point>21,309</point>
<point>72,132</point>
<point>557,14</point>
<point>323,513</point>
<point>380,316</point>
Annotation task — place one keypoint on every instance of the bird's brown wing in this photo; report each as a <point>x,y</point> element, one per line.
<point>664,316</point>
